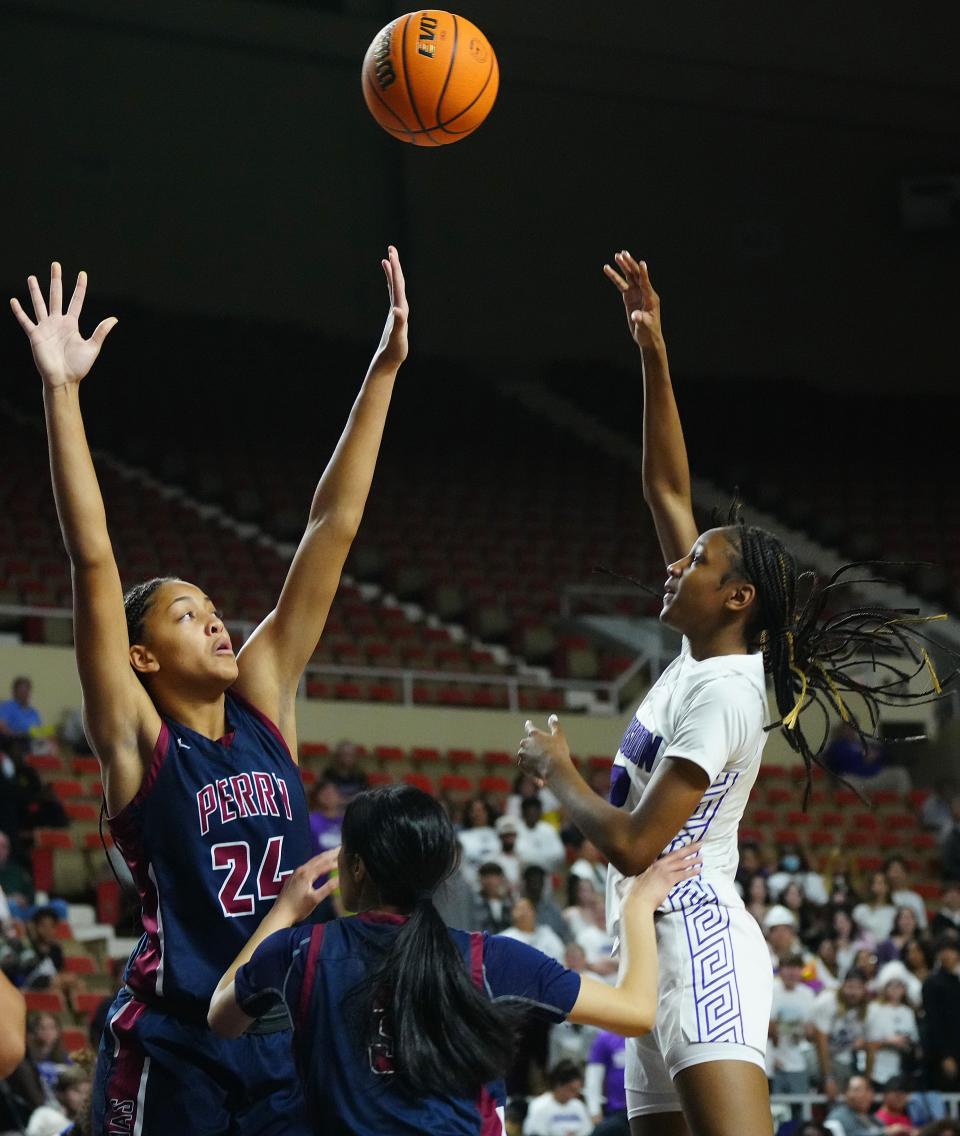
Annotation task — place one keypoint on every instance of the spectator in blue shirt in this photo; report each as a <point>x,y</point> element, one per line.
<point>17,716</point>
<point>402,1025</point>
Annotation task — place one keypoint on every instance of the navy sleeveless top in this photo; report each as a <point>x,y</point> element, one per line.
<point>212,833</point>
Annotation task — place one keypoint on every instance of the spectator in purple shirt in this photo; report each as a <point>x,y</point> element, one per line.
<point>605,1075</point>
<point>326,822</point>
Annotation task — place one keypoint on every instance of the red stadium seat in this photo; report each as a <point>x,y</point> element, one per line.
<point>881,797</point>
<point>387,755</point>
<point>85,1003</point>
<point>772,772</point>
<point>753,834</point>
<point>92,839</point>
<point>847,798</point>
<point>870,863</point>
<point>786,836</point>
<point>780,796</point>
<point>923,840</point>
<point>865,821</point>
<point>82,765</point>
<point>45,762</point>
<point>799,817</point>
<point>52,838</point>
<point>379,777</point>
<point>67,787</point>
<point>420,781</point>
<point>44,1001</point>
<point>459,757</point>
<point>314,749</point>
<point>79,964</point>
<point>73,1039</point>
<point>600,761</point>
<point>455,783</point>
<point>832,820</point>
<point>495,757</point>
<point>81,810</point>
<point>308,776</point>
<point>820,838</point>
<point>424,755</point>
<point>917,797</point>
<point>899,821</point>
<point>928,891</point>
<point>497,785</point>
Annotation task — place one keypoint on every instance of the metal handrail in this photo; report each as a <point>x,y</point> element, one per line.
<point>610,689</point>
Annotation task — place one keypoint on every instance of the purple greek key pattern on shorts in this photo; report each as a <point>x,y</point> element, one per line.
<point>715,992</point>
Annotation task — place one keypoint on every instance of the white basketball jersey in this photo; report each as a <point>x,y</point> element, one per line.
<point>711,713</point>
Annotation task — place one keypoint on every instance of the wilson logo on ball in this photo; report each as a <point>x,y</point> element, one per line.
<point>381,58</point>
<point>426,41</point>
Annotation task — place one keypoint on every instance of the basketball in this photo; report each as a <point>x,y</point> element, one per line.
<point>430,78</point>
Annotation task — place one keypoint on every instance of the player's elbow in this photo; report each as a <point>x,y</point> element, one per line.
<point>641,1022</point>
<point>225,1018</point>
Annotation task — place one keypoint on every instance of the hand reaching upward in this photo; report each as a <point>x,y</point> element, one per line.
<point>60,352</point>
<point>639,299</point>
<point>393,344</point>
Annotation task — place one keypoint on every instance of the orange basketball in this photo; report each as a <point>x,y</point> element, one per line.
<point>430,78</point>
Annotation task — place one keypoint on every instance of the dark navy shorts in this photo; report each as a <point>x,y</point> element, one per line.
<point>158,1075</point>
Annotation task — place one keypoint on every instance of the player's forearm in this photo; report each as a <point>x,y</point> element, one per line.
<point>611,829</point>
<point>638,963</point>
<point>275,920</point>
<point>342,493</point>
<point>224,1015</point>
<point>13,1014</point>
<point>666,471</point>
<point>83,520</point>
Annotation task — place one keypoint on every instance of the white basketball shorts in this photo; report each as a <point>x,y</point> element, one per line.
<point>715,992</point>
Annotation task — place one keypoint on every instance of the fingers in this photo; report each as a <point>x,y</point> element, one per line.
<point>21,316</point>
<point>400,283</point>
<point>618,280</point>
<point>39,307</point>
<point>103,329</point>
<point>76,300</point>
<point>554,723</point>
<point>56,289</point>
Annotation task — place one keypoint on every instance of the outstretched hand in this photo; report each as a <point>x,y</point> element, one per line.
<point>540,753</point>
<point>393,345</point>
<point>641,302</point>
<point>654,885</point>
<point>300,894</point>
<point>60,352</point>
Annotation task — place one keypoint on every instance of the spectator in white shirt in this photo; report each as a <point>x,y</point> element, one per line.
<point>840,1026</point>
<point>891,1031</point>
<point>508,829</point>
<point>584,904</point>
<point>478,839</point>
<point>524,928</point>
<point>790,1029</point>
<point>590,865</point>
<point>877,914</point>
<point>539,842</point>
<point>901,894</point>
<point>780,928</point>
<point>525,786</point>
<point>561,1111</point>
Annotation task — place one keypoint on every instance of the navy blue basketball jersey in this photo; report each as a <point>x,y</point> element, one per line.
<point>349,1089</point>
<point>214,830</point>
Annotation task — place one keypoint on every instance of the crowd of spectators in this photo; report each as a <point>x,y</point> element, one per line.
<point>867,980</point>
<point>866,1005</point>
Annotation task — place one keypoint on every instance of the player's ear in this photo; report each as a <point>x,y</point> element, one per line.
<point>741,596</point>
<point>143,660</point>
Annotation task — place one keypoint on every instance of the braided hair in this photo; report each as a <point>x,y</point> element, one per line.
<point>137,602</point>
<point>814,656</point>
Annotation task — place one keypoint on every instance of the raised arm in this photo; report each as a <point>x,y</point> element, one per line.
<point>274,658</point>
<point>630,1007</point>
<point>666,473</point>
<point>631,841</point>
<point>13,1019</point>
<point>120,719</point>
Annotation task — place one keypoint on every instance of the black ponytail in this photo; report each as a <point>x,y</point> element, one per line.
<point>448,1037</point>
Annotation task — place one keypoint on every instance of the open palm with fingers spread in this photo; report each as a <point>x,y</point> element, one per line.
<point>60,352</point>
<point>641,302</point>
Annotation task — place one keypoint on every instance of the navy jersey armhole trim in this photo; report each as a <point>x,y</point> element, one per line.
<point>123,817</point>
<point>265,721</point>
<point>309,974</point>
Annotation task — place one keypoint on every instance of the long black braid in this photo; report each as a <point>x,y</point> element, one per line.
<point>816,657</point>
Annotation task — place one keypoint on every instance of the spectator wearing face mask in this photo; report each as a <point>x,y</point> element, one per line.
<point>792,867</point>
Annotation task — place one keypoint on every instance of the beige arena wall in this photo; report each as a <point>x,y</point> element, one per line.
<point>56,689</point>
